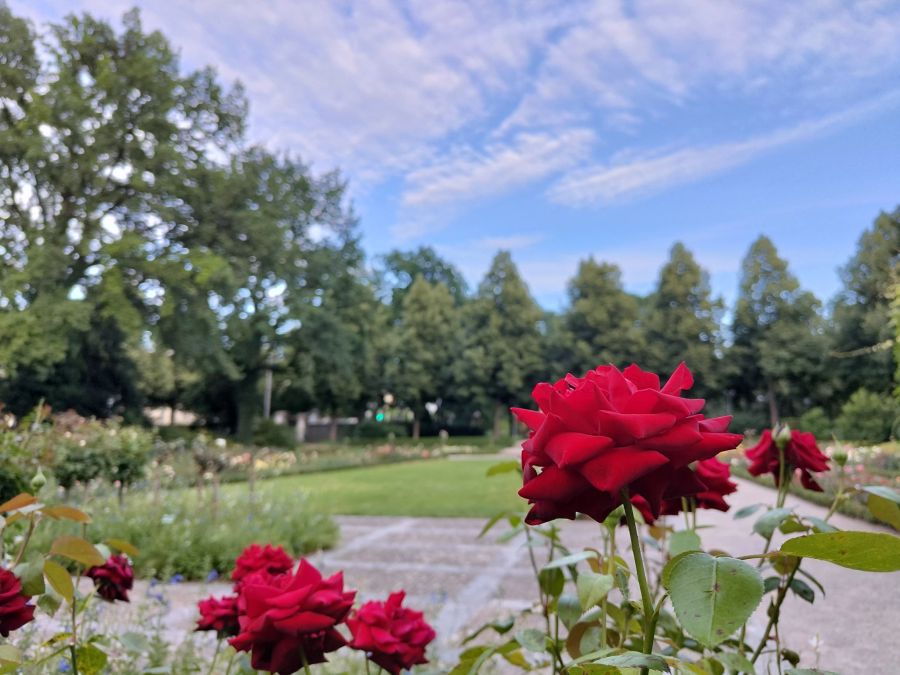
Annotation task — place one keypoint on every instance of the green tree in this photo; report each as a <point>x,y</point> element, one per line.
<point>862,332</point>
<point>426,348</point>
<point>502,354</point>
<point>682,322</point>
<point>779,341</point>
<point>602,319</point>
<point>98,130</point>
<point>399,269</point>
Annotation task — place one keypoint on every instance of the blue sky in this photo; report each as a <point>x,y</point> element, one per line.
<point>562,130</point>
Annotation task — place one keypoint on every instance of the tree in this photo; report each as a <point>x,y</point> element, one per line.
<point>249,237</point>
<point>602,319</point>
<point>399,269</point>
<point>98,131</point>
<point>682,321</point>
<point>427,343</point>
<point>861,326</point>
<point>778,333</point>
<point>502,353</point>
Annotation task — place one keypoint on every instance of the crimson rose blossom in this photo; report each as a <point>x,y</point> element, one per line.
<point>219,615</point>
<point>14,610</point>
<point>394,636</point>
<point>612,429</point>
<point>113,579</point>
<point>288,615</point>
<point>800,453</point>
<point>255,558</point>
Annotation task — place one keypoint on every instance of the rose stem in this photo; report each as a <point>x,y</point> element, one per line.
<point>641,575</point>
<point>305,661</point>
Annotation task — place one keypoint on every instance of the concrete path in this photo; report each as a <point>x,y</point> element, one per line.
<point>461,581</point>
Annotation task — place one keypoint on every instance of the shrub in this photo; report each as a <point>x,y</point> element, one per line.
<point>268,432</point>
<point>816,421</point>
<point>185,534</point>
<point>379,430</point>
<point>868,416</point>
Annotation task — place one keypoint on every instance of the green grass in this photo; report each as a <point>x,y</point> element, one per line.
<point>440,487</point>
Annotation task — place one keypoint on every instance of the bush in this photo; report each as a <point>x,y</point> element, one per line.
<point>868,416</point>
<point>379,430</point>
<point>185,535</point>
<point>78,461</point>
<point>269,433</point>
<point>817,421</point>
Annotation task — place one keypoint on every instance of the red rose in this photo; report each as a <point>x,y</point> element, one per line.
<point>219,614</point>
<point>715,475</point>
<point>598,434</point>
<point>14,610</point>
<point>800,454</point>
<point>289,615</point>
<point>394,636</point>
<point>113,579</point>
<point>255,558</point>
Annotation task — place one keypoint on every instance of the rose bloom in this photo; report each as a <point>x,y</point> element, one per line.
<point>113,579</point>
<point>394,636</point>
<point>15,611</point>
<point>288,615</point>
<point>800,454</point>
<point>609,430</point>
<point>255,558</point>
<point>219,615</point>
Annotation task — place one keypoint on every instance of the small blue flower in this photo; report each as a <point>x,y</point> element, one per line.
<point>212,576</point>
<point>64,666</point>
<point>176,579</point>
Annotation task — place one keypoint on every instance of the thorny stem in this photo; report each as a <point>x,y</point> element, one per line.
<point>641,576</point>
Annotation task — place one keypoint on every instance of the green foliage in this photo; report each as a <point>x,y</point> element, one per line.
<point>868,416</point>
<point>268,433</point>
<point>187,534</point>
<point>866,551</point>
<point>818,422</point>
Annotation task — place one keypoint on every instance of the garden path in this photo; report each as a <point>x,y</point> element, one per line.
<point>460,581</point>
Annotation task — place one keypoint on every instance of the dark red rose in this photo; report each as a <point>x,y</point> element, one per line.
<point>256,558</point>
<point>715,476</point>
<point>288,615</point>
<point>393,636</point>
<point>219,615</point>
<point>113,579</point>
<point>15,611</point>
<point>597,434</point>
<point>800,454</point>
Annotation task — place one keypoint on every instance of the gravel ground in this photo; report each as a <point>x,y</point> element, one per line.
<point>460,581</point>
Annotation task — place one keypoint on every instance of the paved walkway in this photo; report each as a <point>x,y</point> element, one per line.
<point>460,581</point>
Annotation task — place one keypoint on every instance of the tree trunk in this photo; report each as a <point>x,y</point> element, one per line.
<point>333,430</point>
<point>499,416</point>
<point>417,428</point>
<point>247,401</point>
<point>300,428</point>
<point>773,405</point>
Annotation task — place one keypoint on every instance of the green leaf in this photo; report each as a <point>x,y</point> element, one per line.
<point>123,546</point>
<point>59,579</point>
<point>77,549</point>
<point>737,662</point>
<point>10,655</point>
<point>820,525</point>
<point>667,570</point>
<point>792,524</point>
<point>31,574</point>
<point>565,561</point>
<point>635,660</point>
<point>135,642</point>
<point>532,639</point>
<point>552,581</point>
<point>886,510</point>
<point>569,610</point>
<point>866,551</point>
<point>504,467</point>
<point>713,597</point>
<point>593,587</point>
<point>802,589</point>
<point>91,660</point>
<point>684,541</point>
<point>883,491</point>
<point>747,511</point>
<point>769,522</point>
<point>771,583</point>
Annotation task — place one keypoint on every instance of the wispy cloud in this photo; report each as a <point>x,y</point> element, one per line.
<point>470,173</point>
<point>632,176</point>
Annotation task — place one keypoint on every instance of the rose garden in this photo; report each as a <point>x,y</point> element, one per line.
<point>230,443</point>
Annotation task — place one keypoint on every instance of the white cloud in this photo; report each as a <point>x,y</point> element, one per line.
<point>469,173</point>
<point>509,243</point>
<point>636,175</point>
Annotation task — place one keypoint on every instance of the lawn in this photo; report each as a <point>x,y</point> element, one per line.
<point>441,487</point>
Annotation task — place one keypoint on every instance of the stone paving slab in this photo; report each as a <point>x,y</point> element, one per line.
<point>461,581</point>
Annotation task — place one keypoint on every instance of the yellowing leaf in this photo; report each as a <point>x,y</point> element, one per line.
<point>63,512</point>
<point>17,502</point>
<point>77,549</point>
<point>124,547</point>
<point>59,579</point>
